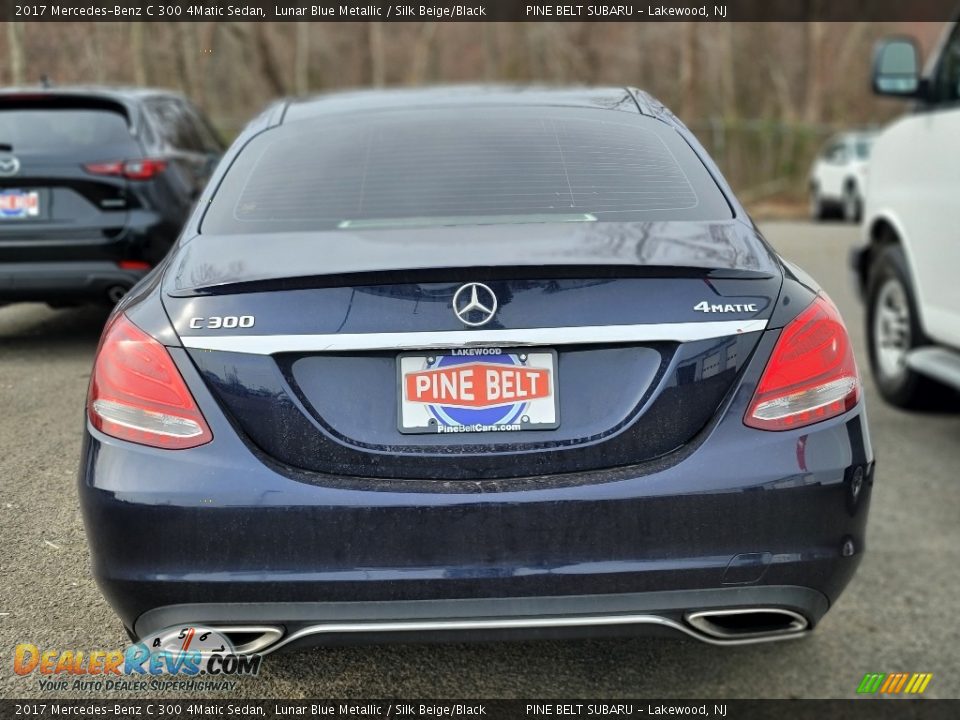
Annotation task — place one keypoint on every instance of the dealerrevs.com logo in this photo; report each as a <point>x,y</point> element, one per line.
<point>180,658</point>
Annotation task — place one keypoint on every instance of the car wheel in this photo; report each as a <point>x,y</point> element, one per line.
<point>817,211</point>
<point>893,330</point>
<point>852,204</point>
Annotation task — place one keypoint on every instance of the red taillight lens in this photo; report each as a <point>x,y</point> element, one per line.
<point>133,265</point>
<point>137,393</point>
<point>143,169</point>
<point>811,375</point>
<point>130,169</point>
<point>105,168</point>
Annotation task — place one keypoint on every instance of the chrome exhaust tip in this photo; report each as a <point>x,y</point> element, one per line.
<point>748,623</point>
<point>249,639</point>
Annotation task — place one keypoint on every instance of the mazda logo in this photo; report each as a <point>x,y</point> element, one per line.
<point>475,304</point>
<point>9,165</point>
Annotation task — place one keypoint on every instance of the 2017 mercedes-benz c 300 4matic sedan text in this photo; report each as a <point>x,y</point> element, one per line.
<point>477,362</point>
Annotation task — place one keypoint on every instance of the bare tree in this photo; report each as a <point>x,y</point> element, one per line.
<point>689,67</point>
<point>137,56</point>
<point>15,47</point>
<point>187,54</point>
<point>301,59</point>
<point>765,71</point>
<point>93,49</point>
<point>813,101</point>
<point>269,63</point>
<point>852,44</point>
<point>489,43</point>
<point>377,61</point>
<point>728,71</point>
<point>417,74</point>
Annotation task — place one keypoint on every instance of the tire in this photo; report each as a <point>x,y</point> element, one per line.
<point>817,208</point>
<point>893,329</point>
<point>131,634</point>
<point>63,304</point>
<point>852,204</point>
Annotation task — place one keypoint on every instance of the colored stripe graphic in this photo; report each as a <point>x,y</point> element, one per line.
<point>871,683</point>
<point>889,683</point>
<point>894,683</point>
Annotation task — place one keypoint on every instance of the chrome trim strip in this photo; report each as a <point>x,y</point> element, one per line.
<point>340,628</point>
<point>579,335</point>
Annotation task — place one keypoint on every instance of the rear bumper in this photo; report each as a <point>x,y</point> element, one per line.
<point>45,281</point>
<point>83,268</point>
<point>654,613</point>
<point>219,534</point>
<point>205,537</point>
<point>329,561</point>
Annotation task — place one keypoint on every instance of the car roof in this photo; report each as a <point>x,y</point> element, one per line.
<point>129,99</point>
<point>608,98</point>
<point>120,94</point>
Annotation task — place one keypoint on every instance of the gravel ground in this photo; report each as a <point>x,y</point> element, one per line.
<point>899,614</point>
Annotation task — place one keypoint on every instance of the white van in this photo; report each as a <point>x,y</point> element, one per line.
<point>909,267</point>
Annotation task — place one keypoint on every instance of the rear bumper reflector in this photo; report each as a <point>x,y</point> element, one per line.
<point>514,337</point>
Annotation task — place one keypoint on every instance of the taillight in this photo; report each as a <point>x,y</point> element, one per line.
<point>137,393</point>
<point>811,375</point>
<point>133,265</point>
<point>129,169</point>
<point>143,169</point>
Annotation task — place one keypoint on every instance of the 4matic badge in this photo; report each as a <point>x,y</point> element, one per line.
<point>704,306</point>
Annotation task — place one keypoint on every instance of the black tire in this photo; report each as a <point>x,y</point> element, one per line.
<point>852,204</point>
<point>63,304</point>
<point>905,388</point>
<point>817,206</point>
<point>131,634</point>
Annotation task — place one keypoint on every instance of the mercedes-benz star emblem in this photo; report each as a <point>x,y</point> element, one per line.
<point>475,304</point>
<point>9,165</point>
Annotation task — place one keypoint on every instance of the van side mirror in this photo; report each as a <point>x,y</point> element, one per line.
<point>896,67</point>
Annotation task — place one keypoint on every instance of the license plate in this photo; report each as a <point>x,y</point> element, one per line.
<point>478,390</point>
<point>19,204</point>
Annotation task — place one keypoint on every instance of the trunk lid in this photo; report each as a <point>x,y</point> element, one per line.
<point>307,360</point>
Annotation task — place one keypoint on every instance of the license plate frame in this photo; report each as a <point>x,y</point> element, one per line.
<point>538,410</point>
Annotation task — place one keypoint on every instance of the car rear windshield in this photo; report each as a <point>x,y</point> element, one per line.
<point>463,166</point>
<point>62,130</point>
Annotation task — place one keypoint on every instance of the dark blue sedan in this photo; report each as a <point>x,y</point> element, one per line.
<point>477,362</point>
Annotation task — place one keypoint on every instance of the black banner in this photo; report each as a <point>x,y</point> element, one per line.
<point>862,709</point>
<point>478,10</point>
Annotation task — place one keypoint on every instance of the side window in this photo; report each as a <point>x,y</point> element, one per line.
<point>946,82</point>
<point>174,122</point>
<point>209,138</point>
<point>837,152</point>
<point>147,132</point>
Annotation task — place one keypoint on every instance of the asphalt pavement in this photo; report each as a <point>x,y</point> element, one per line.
<point>900,613</point>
